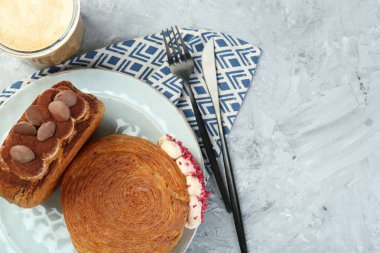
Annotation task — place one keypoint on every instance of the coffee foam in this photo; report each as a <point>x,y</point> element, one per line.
<point>34,24</point>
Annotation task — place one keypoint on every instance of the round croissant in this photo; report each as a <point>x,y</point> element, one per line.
<point>124,194</point>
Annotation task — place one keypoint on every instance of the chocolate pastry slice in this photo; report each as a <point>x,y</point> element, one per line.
<point>43,142</point>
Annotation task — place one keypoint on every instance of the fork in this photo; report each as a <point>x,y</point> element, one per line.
<point>182,65</point>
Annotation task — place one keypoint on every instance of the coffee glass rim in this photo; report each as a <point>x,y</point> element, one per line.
<point>70,29</point>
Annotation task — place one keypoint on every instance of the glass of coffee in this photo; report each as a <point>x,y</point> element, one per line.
<point>46,32</point>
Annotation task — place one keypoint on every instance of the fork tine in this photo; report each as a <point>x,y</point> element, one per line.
<point>168,54</point>
<point>187,53</point>
<point>182,56</point>
<point>175,51</point>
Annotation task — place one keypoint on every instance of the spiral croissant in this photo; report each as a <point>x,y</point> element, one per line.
<point>124,194</point>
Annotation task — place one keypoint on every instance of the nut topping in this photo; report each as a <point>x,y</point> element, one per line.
<point>67,96</point>
<point>59,110</point>
<point>33,115</point>
<point>46,131</point>
<point>25,128</point>
<point>22,154</point>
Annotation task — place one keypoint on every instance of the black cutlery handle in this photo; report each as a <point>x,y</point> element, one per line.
<point>234,198</point>
<point>208,147</point>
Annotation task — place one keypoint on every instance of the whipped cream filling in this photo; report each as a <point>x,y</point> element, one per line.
<point>195,212</point>
<point>170,147</point>
<point>186,166</point>
<point>196,187</point>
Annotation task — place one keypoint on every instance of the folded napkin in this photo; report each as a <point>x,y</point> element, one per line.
<point>144,58</point>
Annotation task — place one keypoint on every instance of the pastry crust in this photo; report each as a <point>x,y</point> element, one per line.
<point>28,185</point>
<point>124,194</point>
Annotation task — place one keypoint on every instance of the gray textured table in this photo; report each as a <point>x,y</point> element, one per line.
<point>306,144</point>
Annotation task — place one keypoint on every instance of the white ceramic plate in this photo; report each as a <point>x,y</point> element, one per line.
<point>132,107</point>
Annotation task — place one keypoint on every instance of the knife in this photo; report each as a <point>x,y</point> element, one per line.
<point>209,72</point>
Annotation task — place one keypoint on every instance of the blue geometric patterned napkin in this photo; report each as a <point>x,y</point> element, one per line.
<point>145,59</point>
